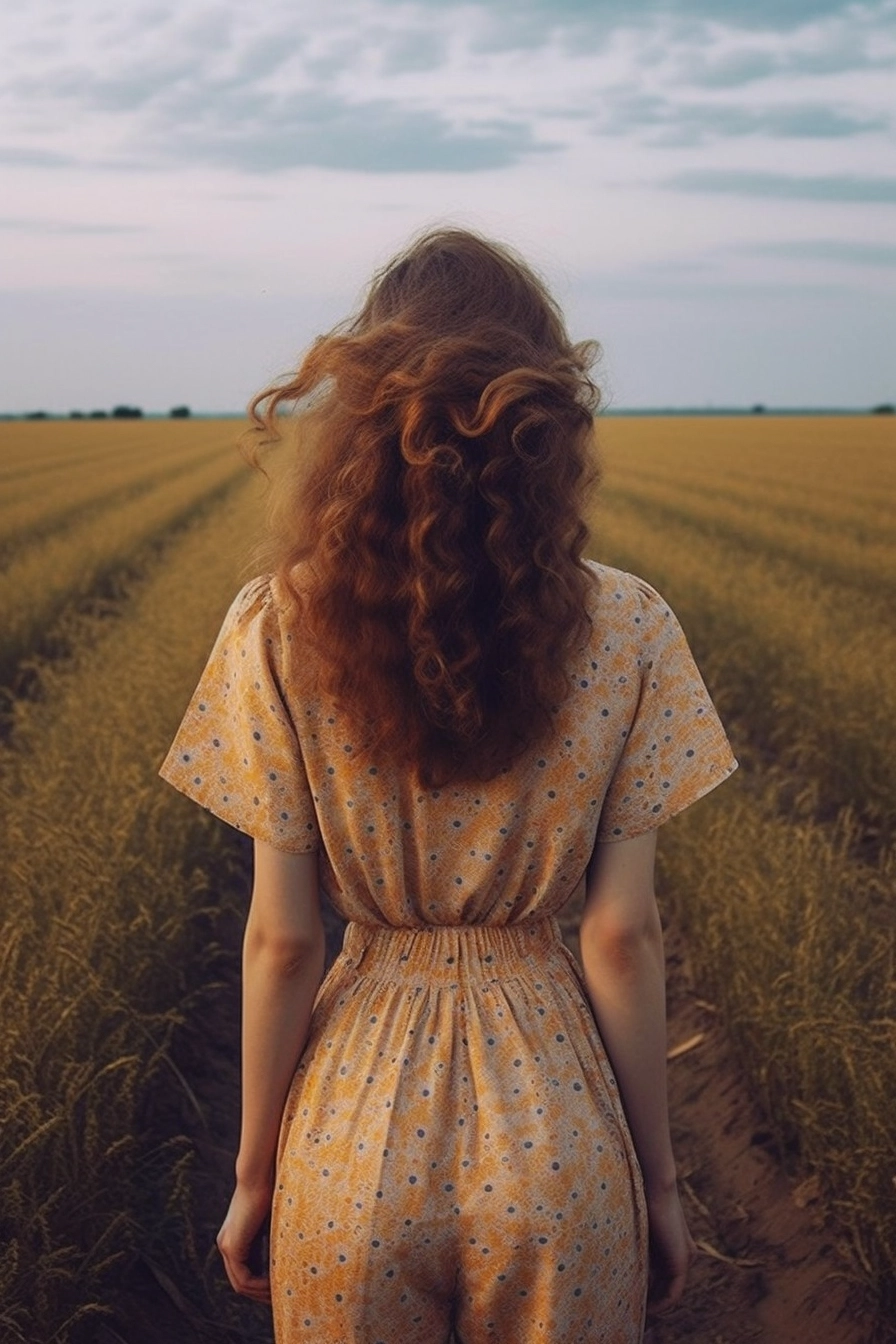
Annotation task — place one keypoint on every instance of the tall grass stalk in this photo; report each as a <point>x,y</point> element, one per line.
<point>783,880</point>
<point>793,939</point>
<point>115,942</point>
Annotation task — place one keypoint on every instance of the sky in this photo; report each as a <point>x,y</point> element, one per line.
<point>192,191</point>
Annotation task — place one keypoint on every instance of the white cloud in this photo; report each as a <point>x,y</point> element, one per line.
<point>387,87</point>
<point>238,150</point>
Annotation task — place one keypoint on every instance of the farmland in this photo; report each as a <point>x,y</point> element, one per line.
<point>120,548</point>
<point>772,543</point>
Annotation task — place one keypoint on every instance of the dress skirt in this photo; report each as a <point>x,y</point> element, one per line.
<point>454,1154</point>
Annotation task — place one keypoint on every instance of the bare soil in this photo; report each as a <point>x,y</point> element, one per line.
<point>771,1267</point>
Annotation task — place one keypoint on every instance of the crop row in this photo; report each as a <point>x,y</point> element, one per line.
<point>100,460</point>
<point>46,578</point>
<point>81,493</point>
<point>43,449</point>
<point>114,938</point>
<point>829,554</point>
<point>782,880</point>
<point>32,453</point>
<point>792,938</point>
<point>846,459</point>
<point>807,507</point>
<point>794,661</point>
<point>114,943</point>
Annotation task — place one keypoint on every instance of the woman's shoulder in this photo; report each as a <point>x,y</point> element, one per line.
<point>265,597</point>
<point>252,604</point>
<point>615,590</point>
<point>259,613</point>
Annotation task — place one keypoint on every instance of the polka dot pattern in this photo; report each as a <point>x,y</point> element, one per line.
<point>453,1146</point>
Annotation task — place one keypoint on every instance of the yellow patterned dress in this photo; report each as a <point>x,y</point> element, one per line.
<point>454,1153</point>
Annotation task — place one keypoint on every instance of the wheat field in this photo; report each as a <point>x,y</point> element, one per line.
<point>120,548</point>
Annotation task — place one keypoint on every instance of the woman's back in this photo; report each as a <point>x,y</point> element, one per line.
<point>436,694</point>
<point>634,741</point>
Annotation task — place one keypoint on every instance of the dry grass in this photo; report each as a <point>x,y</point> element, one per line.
<point>62,555</point>
<point>793,939</point>
<point>113,942</point>
<point>783,881</point>
<point>66,497</point>
<point>793,652</point>
<point>113,938</point>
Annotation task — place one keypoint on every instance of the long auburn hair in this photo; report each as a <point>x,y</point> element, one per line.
<point>431,529</point>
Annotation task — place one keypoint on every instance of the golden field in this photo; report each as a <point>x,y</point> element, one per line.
<point>120,548</point>
<point>772,539</point>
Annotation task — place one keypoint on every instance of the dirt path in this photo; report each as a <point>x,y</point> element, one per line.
<point>771,1269</point>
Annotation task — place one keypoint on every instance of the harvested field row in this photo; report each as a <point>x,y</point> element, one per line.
<point>113,942</point>
<point>846,458</point>
<point>829,555</point>
<point>782,881</point>
<point>26,523</point>
<point>42,449</point>
<point>102,452</point>
<point>793,939</point>
<point>794,663</point>
<point>45,579</point>
<point>810,510</point>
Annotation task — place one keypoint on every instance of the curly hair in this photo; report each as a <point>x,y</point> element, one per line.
<point>431,533</point>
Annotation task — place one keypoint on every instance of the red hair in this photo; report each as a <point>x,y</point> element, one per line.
<point>433,539</point>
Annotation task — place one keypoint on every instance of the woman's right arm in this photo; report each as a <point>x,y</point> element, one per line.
<point>624,966</point>
<point>283,962</point>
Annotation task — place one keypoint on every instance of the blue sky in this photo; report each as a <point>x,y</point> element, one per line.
<point>193,190</point>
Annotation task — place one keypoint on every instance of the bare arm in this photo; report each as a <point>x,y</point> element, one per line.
<point>283,960</point>
<point>622,956</point>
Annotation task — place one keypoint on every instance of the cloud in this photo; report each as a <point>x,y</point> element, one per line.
<point>813,121</point>
<point>420,86</point>
<point>733,68</point>
<point>27,156</point>
<point>781,186</point>
<point>326,131</point>
<point>831,249</point>
<point>414,51</point>
<point>840,51</point>
<point>776,15</point>
<point>345,90</point>
<point>780,15</point>
<point>690,123</point>
<point>12,224</point>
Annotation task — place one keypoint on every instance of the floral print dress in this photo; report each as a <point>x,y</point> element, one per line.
<point>454,1154</point>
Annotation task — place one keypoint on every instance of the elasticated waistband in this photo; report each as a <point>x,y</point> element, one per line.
<point>441,954</point>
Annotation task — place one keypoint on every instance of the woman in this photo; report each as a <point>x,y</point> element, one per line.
<point>436,709</point>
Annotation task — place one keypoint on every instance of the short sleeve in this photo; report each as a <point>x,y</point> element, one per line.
<point>675,747</point>
<point>236,751</point>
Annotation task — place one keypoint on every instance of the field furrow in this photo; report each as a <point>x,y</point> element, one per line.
<point>847,458</point>
<point>42,449</point>
<point>793,941</point>
<point>29,522</point>
<point>793,663</point>
<point>809,510</point>
<point>782,881</point>
<point>869,566</point>
<point>770,539</point>
<point>67,566</point>
<point>112,945</point>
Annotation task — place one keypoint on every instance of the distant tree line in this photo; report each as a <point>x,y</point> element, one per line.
<point>183,412</point>
<point>117,413</point>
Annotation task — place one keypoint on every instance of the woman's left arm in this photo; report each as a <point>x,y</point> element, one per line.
<point>283,962</point>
